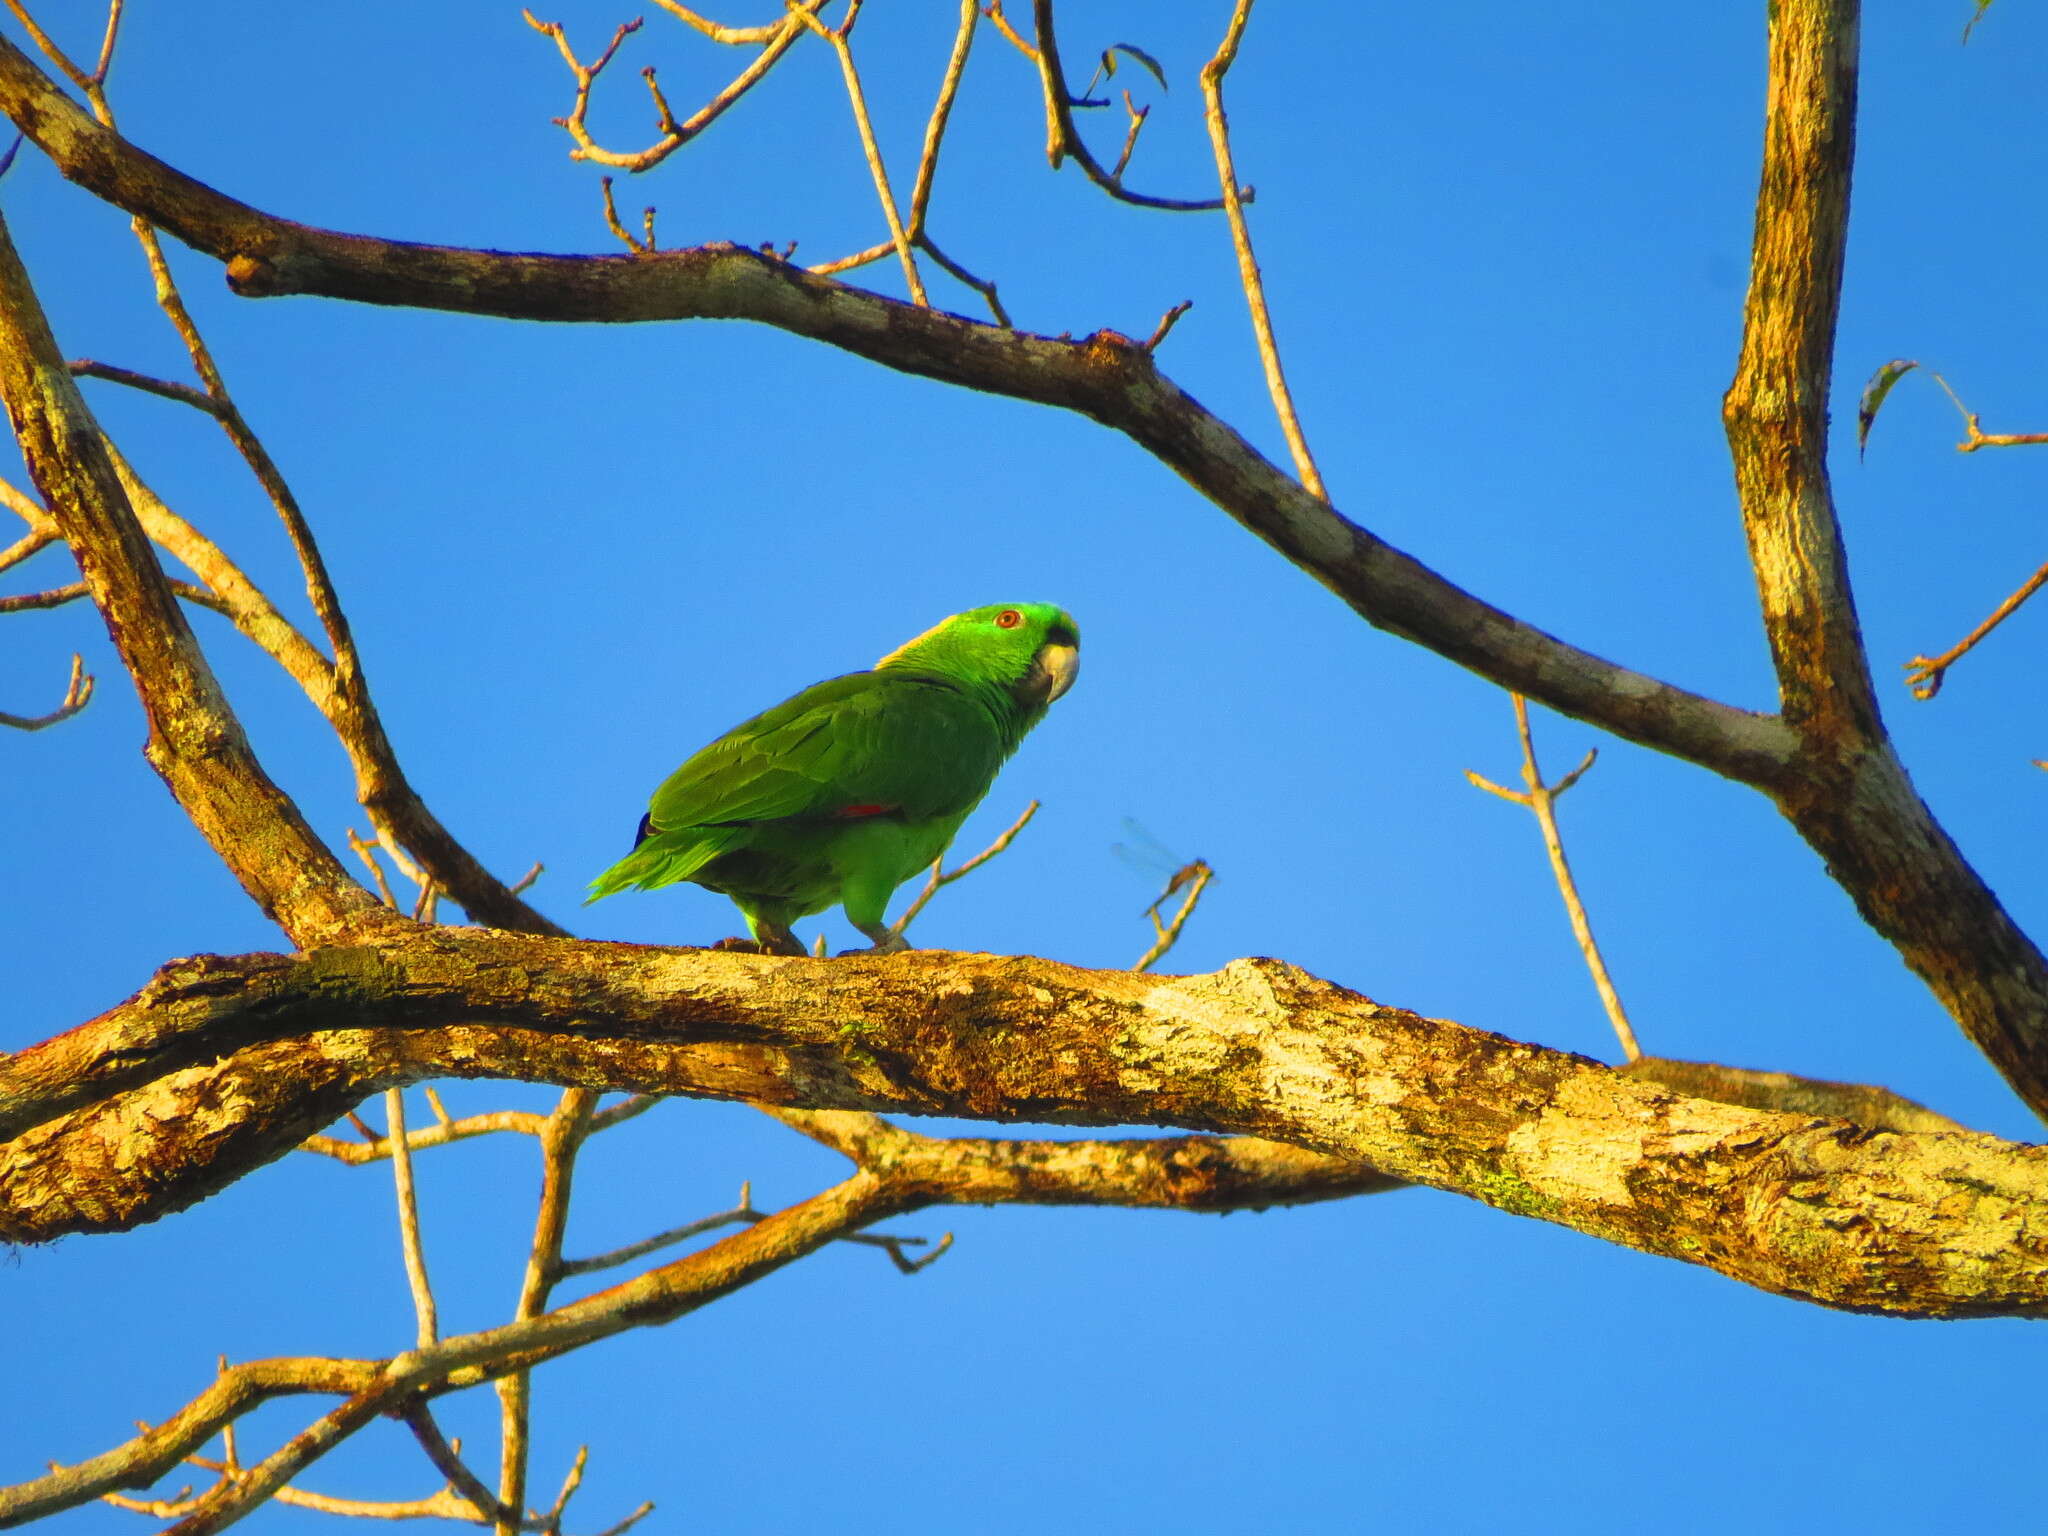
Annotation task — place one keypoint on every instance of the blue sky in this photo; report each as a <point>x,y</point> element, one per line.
<point>1505,248</point>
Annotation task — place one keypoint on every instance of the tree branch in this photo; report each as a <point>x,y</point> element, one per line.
<point>1916,1225</point>
<point>1850,798</point>
<point>1776,411</point>
<point>195,742</point>
<point>374,1387</point>
<point>1106,376</point>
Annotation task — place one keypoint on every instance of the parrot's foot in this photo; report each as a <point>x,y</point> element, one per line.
<point>768,944</point>
<point>887,942</point>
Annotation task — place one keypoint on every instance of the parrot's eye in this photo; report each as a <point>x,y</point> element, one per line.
<point>1009,618</point>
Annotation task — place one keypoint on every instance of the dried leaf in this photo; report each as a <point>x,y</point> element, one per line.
<point>1109,59</point>
<point>1880,385</point>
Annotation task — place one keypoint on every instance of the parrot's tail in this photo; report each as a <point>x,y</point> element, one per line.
<point>665,858</point>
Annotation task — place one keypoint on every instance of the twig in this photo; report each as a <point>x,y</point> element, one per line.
<point>894,1246</point>
<point>1062,140</point>
<point>49,597</point>
<point>34,542</point>
<point>450,1465</point>
<point>1542,798</point>
<point>50,50</point>
<point>1138,115</point>
<point>619,1113</point>
<point>77,694</point>
<point>367,852</point>
<point>440,1505</point>
<point>634,243</point>
<point>1977,437</point>
<point>733,36</point>
<point>1247,263</point>
<point>942,111</point>
<point>234,1497</point>
<point>994,12</point>
<point>839,37</point>
<point>1167,322</point>
<point>342,694</point>
<point>742,1212</point>
<point>376,1148</point>
<point>585,75</point>
<point>184,394</point>
<point>409,1218</point>
<point>936,881</point>
<point>106,59</point>
<point>777,39</point>
<point>560,1141</point>
<point>1924,675</point>
<point>552,1520</point>
<point>987,290</point>
<point>858,259</point>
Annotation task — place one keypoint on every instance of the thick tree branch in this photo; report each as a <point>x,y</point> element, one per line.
<point>195,742</point>
<point>1919,1225</point>
<point>1851,798</point>
<point>1105,376</point>
<point>1776,411</point>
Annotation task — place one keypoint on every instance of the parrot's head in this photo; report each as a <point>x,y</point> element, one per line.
<point>1030,650</point>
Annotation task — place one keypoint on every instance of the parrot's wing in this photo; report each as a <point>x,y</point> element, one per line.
<point>864,744</point>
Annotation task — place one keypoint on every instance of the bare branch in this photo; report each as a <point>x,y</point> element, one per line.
<point>484,1504</point>
<point>1975,436</point>
<point>1062,140</point>
<point>987,290</point>
<point>1850,803</point>
<point>1817,1209</point>
<point>1924,675</point>
<point>1167,322</point>
<point>639,245</point>
<point>1541,798</point>
<point>1103,376</point>
<point>39,537</point>
<point>77,694</point>
<point>613,1258</point>
<point>744,1214</point>
<point>838,37</point>
<point>373,1387</point>
<point>1776,410</point>
<point>776,39</point>
<point>1247,264</point>
<point>48,46</point>
<point>937,881</point>
<point>195,741</point>
<point>560,1140</point>
<point>409,1218</point>
<point>184,394</point>
<point>356,1153</point>
<point>942,111</point>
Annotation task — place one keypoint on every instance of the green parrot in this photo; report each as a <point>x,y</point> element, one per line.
<point>845,791</point>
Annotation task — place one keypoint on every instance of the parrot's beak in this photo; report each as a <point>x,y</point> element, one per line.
<point>1054,669</point>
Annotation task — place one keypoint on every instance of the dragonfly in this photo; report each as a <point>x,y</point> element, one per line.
<point>1154,860</point>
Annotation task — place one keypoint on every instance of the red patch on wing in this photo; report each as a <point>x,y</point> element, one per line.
<point>866,810</point>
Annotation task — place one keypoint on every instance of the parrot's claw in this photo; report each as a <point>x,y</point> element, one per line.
<point>737,946</point>
<point>887,942</point>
